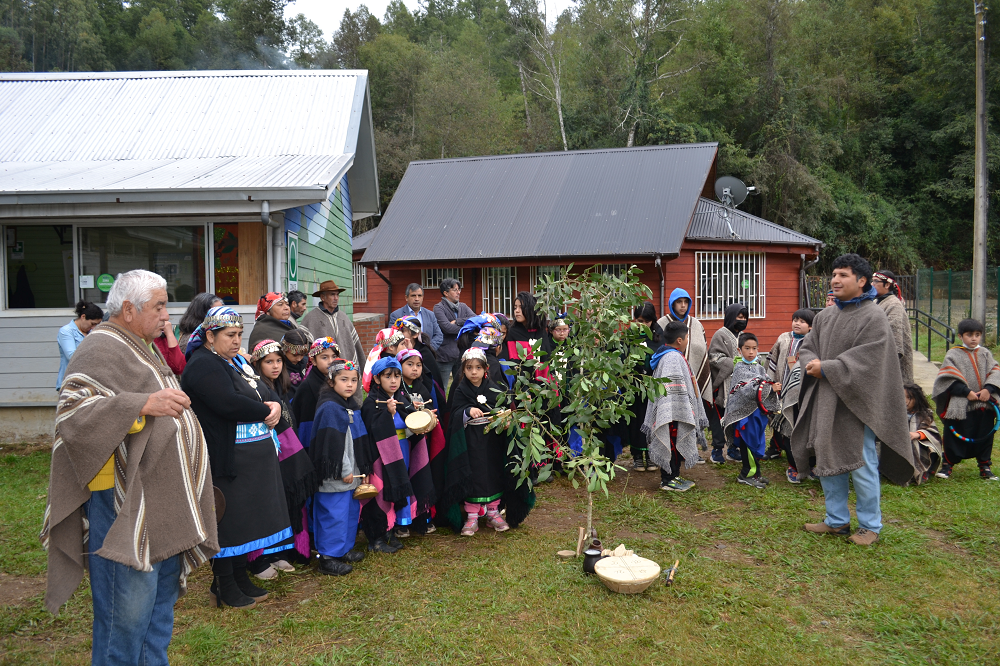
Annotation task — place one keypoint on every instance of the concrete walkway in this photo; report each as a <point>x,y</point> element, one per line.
<point>924,372</point>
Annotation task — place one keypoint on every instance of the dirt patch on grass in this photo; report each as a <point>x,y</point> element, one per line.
<point>17,590</point>
<point>24,448</point>
<point>722,551</point>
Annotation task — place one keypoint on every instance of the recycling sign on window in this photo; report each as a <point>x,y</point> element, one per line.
<point>293,261</point>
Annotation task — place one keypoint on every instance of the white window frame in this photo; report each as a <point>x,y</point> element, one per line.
<point>77,225</point>
<point>499,289</point>
<point>360,282</point>
<point>539,271</point>
<point>617,270</point>
<point>723,278</point>
<point>431,278</point>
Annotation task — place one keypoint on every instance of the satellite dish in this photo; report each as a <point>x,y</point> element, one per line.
<point>731,191</point>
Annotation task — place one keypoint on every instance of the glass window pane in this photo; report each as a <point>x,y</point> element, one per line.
<point>176,253</point>
<point>227,263</point>
<point>39,266</point>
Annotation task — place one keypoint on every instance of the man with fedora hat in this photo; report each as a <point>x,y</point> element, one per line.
<point>327,320</point>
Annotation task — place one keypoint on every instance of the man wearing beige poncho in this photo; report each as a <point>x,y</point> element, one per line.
<point>130,492</point>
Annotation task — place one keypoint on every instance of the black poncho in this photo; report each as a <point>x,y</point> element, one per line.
<point>477,460</point>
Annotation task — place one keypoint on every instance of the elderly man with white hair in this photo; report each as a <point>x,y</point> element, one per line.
<point>130,480</point>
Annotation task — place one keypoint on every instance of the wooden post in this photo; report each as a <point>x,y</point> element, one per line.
<point>981,201</point>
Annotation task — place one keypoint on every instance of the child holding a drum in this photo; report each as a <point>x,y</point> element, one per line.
<point>407,486</point>
<point>423,423</point>
<point>477,476</point>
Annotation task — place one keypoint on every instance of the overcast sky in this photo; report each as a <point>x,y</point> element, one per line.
<point>327,13</point>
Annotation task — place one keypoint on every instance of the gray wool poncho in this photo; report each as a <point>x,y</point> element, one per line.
<point>743,401</point>
<point>899,322</point>
<point>976,369</point>
<point>682,404</point>
<point>862,386</point>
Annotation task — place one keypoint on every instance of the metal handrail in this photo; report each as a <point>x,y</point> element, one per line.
<point>948,334</point>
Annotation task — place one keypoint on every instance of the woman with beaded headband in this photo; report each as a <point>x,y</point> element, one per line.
<point>890,298</point>
<point>387,343</point>
<point>237,415</point>
<point>478,481</point>
<point>432,378</point>
<point>489,340</point>
<point>296,469</point>
<point>321,354</point>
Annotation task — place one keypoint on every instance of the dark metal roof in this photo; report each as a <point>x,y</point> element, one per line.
<point>706,224</point>
<point>362,241</point>
<point>584,203</point>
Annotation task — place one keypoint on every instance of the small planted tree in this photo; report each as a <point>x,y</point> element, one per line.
<point>589,382</point>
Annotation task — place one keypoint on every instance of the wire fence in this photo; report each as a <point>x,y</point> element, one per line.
<point>947,295</point>
<point>944,295</point>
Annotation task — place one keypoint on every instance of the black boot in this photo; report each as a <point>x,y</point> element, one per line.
<point>352,556</point>
<point>331,566</point>
<point>394,541</point>
<point>381,546</point>
<point>246,585</point>
<point>225,591</point>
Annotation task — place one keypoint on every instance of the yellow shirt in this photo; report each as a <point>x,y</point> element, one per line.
<point>105,479</point>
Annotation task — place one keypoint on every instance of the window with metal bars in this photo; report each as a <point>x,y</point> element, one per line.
<point>617,270</point>
<point>499,289</point>
<point>723,278</point>
<point>538,272</point>
<point>360,283</point>
<point>431,278</point>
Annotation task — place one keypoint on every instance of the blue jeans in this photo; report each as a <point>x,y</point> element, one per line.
<point>133,610</point>
<point>867,488</point>
<point>447,371</point>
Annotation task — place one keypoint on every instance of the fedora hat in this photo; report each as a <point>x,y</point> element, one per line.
<point>328,285</point>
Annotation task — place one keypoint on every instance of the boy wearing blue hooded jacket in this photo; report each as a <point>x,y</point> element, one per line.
<point>696,354</point>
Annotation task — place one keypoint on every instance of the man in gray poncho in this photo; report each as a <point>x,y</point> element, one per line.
<point>890,299</point>
<point>721,354</point>
<point>849,356</point>
<point>675,421</point>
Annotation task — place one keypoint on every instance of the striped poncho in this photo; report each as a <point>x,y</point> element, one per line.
<point>163,488</point>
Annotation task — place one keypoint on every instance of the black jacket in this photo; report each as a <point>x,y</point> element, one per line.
<point>220,399</point>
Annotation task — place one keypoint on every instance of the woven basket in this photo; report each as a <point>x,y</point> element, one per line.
<point>630,574</point>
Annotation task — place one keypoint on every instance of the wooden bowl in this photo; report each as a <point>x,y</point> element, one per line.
<point>630,574</point>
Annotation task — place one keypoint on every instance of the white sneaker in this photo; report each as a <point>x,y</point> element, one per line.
<point>283,565</point>
<point>267,574</point>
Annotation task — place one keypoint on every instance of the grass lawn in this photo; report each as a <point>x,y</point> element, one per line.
<point>753,588</point>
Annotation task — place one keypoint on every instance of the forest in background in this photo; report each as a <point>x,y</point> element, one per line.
<point>853,118</point>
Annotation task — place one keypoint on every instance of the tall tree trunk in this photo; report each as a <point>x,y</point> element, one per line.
<point>562,125</point>
<point>524,93</point>
<point>631,135</point>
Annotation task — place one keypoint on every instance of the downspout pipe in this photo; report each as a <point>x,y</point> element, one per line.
<point>388,300</point>
<point>663,282</point>
<point>277,244</point>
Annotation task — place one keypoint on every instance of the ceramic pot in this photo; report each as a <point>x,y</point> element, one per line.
<point>590,557</point>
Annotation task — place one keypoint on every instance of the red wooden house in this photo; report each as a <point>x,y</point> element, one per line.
<point>497,223</point>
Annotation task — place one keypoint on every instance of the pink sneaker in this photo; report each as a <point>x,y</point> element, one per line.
<point>471,525</point>
<point>496,521</point>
